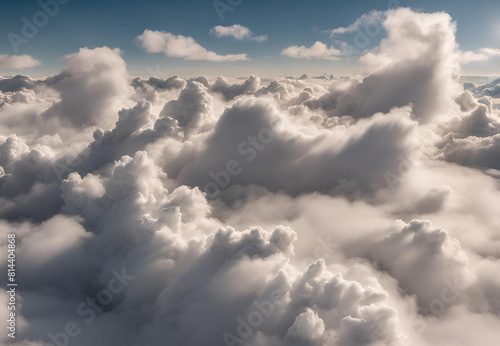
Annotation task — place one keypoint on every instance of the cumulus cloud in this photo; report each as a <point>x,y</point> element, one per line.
<point>491,89</point>
<point>16,83</point>
<point>173,82</point>
<point>178,46</point>
<point>91,84</point>
<point>230,92</point>
<point>18,62</point>
<point>482,54</point>
<point>424,260</point>
<point>471,138</point>
<point>407,68</point>
<point>193,108</point>
<point>251,132</point>
<point>319,50</point>
<point>238,32</point>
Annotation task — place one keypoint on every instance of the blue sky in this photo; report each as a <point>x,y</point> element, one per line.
<point>115,24</point>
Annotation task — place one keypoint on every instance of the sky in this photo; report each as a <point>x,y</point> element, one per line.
<point>116,24</point>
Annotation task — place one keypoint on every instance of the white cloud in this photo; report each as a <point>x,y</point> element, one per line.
<point>402,254</point>
<point>405,68</point>
<point>237,31</point>
<point>17,62</point>
<point>93,83</point>
<point>366,22</point>
<point>178,46</point>
<point>193,108</point>
<point>482,54</point>
<point>318,50</point>
<point>230,92</point>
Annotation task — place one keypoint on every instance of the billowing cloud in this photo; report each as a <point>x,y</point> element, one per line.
<point>407,68</point>
<point>193,109</point>
<point>178,46</point>
<point>424,260</point>
<point>229,92</point>
<point>238,32</point>
<point>92,82</point>
<point>268,142</point>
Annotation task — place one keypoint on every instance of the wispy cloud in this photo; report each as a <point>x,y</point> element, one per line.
<point>178,46</point>
<point>238,32</point>
<point>482,54</point>
<point>318,50</point>
<point>362,22</point>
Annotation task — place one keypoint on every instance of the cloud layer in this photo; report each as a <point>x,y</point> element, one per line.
<point>227,211</point>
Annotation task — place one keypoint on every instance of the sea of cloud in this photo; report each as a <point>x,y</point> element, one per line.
<point>360,210</point>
